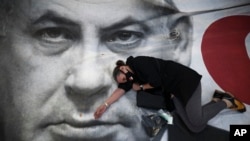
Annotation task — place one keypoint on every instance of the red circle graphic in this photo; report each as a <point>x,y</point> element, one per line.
<point>225,55</point>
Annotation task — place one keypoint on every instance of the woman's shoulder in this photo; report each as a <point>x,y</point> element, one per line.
<point>135,59</point>
<point>143,58</point>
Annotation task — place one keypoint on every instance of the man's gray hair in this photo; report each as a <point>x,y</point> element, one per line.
<point>7,7</point>
<point>163,3</point>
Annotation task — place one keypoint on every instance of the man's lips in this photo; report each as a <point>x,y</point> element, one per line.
<point>86,124</point>
<point>84,130</point>
<point>81,127</point>
<point>84,120</point>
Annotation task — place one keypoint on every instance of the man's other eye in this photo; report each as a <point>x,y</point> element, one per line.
<point>124,36</point>
<point>123,40</point>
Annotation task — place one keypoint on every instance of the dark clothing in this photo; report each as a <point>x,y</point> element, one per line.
<point>125,86</point>
<point>194,115</point>
<point>183,83</point>
<point>179,132</point>
<point>175,78</point>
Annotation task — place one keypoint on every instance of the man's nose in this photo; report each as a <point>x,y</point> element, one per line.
<point>87,75</point>
<point>88,78</point>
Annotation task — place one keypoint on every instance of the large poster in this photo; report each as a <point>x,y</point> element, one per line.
<point>57,58</point>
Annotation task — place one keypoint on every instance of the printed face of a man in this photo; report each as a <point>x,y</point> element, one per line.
<point>56,63</point>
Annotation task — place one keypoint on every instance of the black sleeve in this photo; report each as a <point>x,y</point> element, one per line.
<point>125,86</point>
<point>153,77</point>
<point>148,69</point>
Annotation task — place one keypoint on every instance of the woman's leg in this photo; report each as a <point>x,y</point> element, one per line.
<point>196,116</point>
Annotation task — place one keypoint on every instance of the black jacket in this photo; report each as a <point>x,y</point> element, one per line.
<point>173,77</point>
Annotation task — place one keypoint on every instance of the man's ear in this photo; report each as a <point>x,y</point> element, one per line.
<point>181,31</point>
<point>3,18</point>
<point>2,29</point>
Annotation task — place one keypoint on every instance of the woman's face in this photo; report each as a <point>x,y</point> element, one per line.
<point>121,78</point>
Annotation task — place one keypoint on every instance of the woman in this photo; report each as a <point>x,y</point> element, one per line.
<point>180,84</point>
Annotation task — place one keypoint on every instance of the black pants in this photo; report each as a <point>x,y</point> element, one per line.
<point>194,115</point>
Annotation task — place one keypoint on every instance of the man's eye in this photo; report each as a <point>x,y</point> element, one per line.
<point>124,36</point>
<point>54,35</point>
<point>55,40</point>
<point>128,36</point>
<point>123,40</point>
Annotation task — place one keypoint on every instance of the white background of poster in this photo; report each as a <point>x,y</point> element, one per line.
<point>201,22</point>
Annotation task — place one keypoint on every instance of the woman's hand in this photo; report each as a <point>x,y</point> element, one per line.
<point>136,87</point>
<point>100,110</point>
<point>117,94</point>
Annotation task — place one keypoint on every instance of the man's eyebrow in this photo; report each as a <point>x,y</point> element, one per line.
<point>54,17</point>
<point>126,22</point>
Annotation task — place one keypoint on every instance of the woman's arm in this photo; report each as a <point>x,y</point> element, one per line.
<point>138,87</point>
<point>117,94</point>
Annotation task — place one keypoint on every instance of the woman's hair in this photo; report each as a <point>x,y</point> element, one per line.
<point>117,70</point>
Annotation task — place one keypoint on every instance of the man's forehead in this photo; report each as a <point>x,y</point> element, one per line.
<point>78,5</point>
<point>81,12</point>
